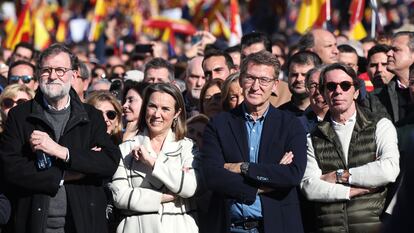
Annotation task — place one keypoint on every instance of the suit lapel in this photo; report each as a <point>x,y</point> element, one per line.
<point>239,131</point>
<point>270,128</point>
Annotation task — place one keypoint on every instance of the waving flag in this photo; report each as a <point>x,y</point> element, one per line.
<point>235,23</point>
<point>41,35</point>
<point>23,30</point>
<point>309,13</point>
<point>357,30</point>
<point>97,21</point>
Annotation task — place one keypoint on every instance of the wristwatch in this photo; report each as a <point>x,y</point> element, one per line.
<point>244,168</point>
<point>339,174</point>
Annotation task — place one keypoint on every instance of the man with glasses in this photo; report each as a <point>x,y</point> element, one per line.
<point>352,157</point>
<point>55,154</point>
<point>253,182</point>
<point>22,72</point>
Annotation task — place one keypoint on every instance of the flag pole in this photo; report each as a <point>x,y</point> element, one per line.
<point>374,8</point>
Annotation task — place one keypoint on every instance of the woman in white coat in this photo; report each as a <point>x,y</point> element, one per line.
<point>155,179</point>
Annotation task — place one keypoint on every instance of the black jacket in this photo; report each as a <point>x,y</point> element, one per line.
<point>30,189</point>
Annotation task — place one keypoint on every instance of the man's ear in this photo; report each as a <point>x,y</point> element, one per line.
<point>356,94</point>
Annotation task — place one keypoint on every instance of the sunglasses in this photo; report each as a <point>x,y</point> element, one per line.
<point>345,85</point>
<point>111,115</point>
<point>25,78</point>
<point>9,103</point>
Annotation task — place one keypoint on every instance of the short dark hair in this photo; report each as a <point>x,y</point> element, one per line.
<point>304,58</point>
<point>25,45</point>
<point>310,72</point>
<point>379,48</point>
<point>306,42</point>
<point>22,62</point>
<point>410,37</point>
<point>218,53</point>
<point>345,48</point>
<point>411,73</point>
<point>260,58</point>
<point>233,49</point>
<point>180,129</point>
<point>158,63</point>
<point>256,37</point>
<point>55,49</point>
<point>338,66</point>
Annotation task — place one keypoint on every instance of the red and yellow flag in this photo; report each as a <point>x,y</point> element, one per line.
<point>308,14</point>
<point>22,32</point>
<point>235,23</point>
<point>97,21</point>
<point>41,35</point>
<point>356,29</point>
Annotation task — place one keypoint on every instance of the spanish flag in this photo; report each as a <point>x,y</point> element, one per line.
<point>23,30</point>
<point>357,30</point>
<point>41,35</point>
<point>309,13</point>
<point>235,23</point>
<point>97,21</point>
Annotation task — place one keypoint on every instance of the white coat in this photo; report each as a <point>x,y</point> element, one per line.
<point>137,189</point>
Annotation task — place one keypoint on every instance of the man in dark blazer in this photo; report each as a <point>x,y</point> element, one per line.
<point>244,162</point>
<point>55,155</point>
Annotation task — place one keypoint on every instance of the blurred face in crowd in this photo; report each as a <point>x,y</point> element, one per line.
<point>160,113</point>
<point>400,57</point>
<point>109,114</point>
<point>56,75</point>
<point>195,79</point>
<point>235,95</point>
<point>216,67</point>
<point>316,99</point>
<point>159,75</point>
<point>22,53</point>
<point>211,101</point>
<point>325,46</point>
<point>23,74</point>
<point>296,79</point>
<point>132,106</point>
<point>377,70</point>
<point>9,103</point>
<point>253,48</point>
<point>340,99</point>
<point>258,84</point>
<point>366,46</point>
<point>349,59</point>
<point>235,56</point>
<point>98,74</point>
<point>277,51</point>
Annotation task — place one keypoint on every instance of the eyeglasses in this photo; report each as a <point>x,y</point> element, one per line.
<point>47,71</point>
<point>111,114</point>
<point>263,81</point>
<point>25,78</point>
<point>345,85</point>
<point>9,103</point>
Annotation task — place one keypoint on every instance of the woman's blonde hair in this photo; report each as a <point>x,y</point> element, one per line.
<point>102,96</point>
<point>10,92</point>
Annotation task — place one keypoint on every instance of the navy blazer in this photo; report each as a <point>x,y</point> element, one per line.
<point>225,141</point>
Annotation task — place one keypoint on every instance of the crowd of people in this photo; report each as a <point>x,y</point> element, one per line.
<point>258,137</point>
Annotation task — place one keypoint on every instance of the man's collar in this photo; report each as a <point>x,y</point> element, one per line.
<point>248,116</point>
<point>50,107</point>
<point>350,120</point>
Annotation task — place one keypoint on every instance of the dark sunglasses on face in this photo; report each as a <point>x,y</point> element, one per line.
<point>110,114</point>
<point>16,78</point>
<point>9,103</point>
<point>345,85</point>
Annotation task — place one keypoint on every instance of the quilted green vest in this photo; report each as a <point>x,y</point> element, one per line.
<point>360,214</point>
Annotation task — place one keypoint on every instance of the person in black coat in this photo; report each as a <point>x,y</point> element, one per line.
<point>55,154</point>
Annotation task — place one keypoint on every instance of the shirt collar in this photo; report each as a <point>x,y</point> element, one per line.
<point>401,85</point>
<point>50,107</point>
<point>249,117</point>
<point>350,120</point>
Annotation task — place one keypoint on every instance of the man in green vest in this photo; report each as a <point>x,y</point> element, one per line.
<point>352,156</point>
